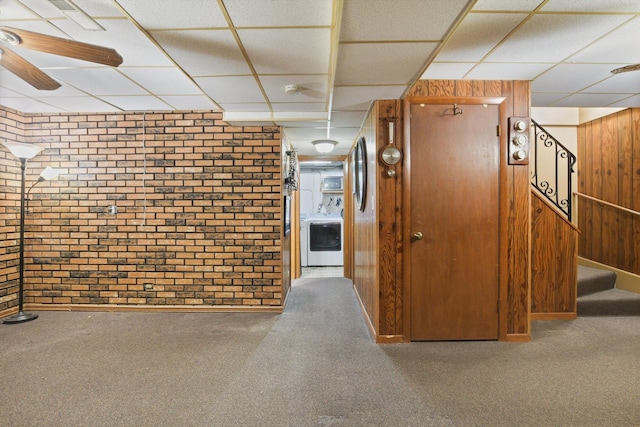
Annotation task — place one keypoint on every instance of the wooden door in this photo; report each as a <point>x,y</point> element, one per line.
<point>455,205</point>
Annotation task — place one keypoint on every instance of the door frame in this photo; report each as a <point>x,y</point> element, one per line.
<point>503,191</point>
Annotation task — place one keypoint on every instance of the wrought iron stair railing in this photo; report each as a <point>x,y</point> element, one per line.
<point>552,167</point>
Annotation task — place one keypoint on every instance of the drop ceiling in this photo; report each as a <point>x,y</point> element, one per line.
<point>237,56</point>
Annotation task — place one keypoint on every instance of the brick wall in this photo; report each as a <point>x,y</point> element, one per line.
<point>11,128</point>
<point>198,211</point>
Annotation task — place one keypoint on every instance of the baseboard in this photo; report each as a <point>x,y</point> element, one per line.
<point>554,316</point>
<point>372,330</point>
<point>626,281</point>
<point>8,312</point>
<point>155,308</point>
<point>518,337</point>
<point>391,339</point>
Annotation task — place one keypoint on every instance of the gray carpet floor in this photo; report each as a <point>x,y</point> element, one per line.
<point>315,365</point>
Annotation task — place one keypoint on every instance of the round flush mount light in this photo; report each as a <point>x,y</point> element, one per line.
<point>324,145</point>
<point>292,89</point>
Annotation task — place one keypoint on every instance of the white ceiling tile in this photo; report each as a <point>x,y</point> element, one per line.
<point>283,107</point>
<point>447,70</point>
<point>570,77</point>
<point>591,6</point>
<point>381,63</point>
<point>486,30</point>
<point>282,13</point>
<point>190,102</point>
<point>363,19</point>
<point>618,83</point>
<point>81,104</point>
<point>359,98</point>
<point>631,102</point>
<point>29,105</point>
<point>288,51</point>
<point>123,36</point>
<point>11,9</point>
<point>518,71</point>
<point>175,14</point>
<point>98,81</point>
<point>204,52</point>
<point>347,118</point>
<point>16,84</point>
<point>162,81</point>
<point>540,99</point>
<point>619,46</point>
<point>589,100</point>
<point>231,89</point>
<point>550,38</point>
<point>313,88</point>
<point>245,107</point>
<point>137,103</point>
<point>507,5</point>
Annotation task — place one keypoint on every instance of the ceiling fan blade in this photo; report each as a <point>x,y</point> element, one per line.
<point>26,70</point>
<point>65,47</point>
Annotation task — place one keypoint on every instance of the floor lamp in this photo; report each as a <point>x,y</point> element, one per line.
<point>24,152</point>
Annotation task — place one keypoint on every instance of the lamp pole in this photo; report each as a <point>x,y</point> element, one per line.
<point>21,316</point>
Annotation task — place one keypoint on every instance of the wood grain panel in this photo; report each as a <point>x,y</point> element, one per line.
<point>581,162</point>
<point>625,189</point>
<point>514,207</point>
<point>464,88</point>
<point>611,172</point>
<point>554,262</point>
<point>610,223</point>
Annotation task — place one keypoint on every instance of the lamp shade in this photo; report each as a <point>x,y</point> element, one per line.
<point>324,145</point>
<point>48,173</point>
<point>23,151</point>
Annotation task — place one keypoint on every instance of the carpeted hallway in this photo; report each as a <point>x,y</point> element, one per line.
<point>314,365</point>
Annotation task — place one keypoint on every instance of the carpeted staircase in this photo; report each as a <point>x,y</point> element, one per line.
<point>592,280</point>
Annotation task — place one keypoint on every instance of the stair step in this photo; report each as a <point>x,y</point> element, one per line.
<point>592,280</point>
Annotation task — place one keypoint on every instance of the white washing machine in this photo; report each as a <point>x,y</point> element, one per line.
<point>325,240</point>
<point>304,240</point>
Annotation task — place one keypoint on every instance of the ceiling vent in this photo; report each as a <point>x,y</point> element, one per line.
<point>76,14</point>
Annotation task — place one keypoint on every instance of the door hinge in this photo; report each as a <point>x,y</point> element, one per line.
<point>498,130</point>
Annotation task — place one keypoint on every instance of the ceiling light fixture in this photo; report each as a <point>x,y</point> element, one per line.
<point>324,145</point>
<point>626,69</point>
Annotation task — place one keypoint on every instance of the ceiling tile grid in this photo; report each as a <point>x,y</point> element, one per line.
<point>239,55</point>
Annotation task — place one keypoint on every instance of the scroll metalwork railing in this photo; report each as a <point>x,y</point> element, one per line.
<point>552,167</point>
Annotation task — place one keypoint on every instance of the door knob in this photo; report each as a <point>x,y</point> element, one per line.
<point>417,235</point>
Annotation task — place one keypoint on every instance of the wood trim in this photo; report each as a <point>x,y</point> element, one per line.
<point>503,274</point>
<point>518,338</point>
<point>602,202</point>
<point>391,339</point>
<point>155,308</point>
<point>367,319</point>
<point>561,215</point>
<point>554,316</point>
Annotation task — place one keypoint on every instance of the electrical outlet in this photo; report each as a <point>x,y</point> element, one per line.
<point>112,209</point>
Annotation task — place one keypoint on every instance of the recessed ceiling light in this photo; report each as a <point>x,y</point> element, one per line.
<point>634,67</point>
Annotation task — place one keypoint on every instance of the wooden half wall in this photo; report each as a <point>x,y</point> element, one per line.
<point>378,250</point>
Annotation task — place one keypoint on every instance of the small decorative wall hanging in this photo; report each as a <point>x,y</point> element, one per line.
<point>292,172</point>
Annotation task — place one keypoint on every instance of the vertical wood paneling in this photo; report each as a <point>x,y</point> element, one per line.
<point>542,259</point>
<point>611,172</point>
<point>609,138</point>
<point>581,184</point>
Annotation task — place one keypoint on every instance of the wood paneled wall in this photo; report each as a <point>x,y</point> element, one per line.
<point>609,169</point>
<point>554,251</point>
<point>515,268</point>
<point>378,231</point>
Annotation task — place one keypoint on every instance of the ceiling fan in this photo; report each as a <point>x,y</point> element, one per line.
<point>49,44</point>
